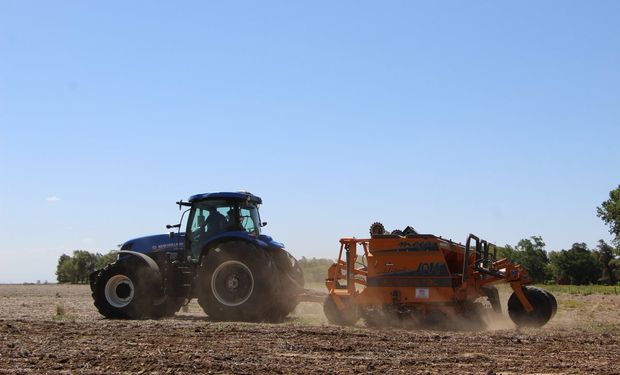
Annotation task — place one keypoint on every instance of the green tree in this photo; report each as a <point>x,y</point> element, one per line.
<point>65,270</point>
<point>78,267</point>
<point>577,266</point>
<point>104,260</point>
<point>85,263</point>
<point>606,255</point>
<point>531,254</point>
<point>609,212</point>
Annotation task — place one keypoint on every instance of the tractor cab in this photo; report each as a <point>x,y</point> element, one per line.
<point>214,216</point>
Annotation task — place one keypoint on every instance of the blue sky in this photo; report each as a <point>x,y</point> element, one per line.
<point>496,118</point>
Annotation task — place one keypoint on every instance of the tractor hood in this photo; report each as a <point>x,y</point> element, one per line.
<point>155,243</point>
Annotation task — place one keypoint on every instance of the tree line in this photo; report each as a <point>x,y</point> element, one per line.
<point>76,268</point>
<point>577,265</point>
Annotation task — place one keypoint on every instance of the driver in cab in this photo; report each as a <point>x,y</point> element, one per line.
<point>216,222</point>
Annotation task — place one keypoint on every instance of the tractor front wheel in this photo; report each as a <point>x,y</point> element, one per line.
<point>124,292</point>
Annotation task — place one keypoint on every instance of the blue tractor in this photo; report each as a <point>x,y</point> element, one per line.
<point>222,259</point>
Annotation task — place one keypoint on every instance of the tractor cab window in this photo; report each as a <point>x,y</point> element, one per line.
<point>248,215</point>
<point>208,219</point>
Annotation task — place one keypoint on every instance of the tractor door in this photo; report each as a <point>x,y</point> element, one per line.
<point>207,220</point>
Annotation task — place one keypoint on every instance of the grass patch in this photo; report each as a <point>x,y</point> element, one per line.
<point>61,313</point>
<point>582,290</point>
<point>600,327</point>
<point>570,304</point>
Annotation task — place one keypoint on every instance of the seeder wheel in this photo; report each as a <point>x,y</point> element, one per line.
<point>554,302</point>
<point>542,304</point>
<point>347,317</point>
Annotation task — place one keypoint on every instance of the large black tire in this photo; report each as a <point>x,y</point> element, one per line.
<point>347,317</point>
<point>125,290</point>
<point>540,302</point>
<point>236,282</point>
<point>290,283</point>
<point>552,300</point>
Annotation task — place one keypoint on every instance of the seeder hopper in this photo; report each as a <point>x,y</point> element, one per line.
<point>406,278</point>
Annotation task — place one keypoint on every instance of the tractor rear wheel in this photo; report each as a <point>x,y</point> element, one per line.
<point>536,318</point>
<point>124,291</point>
<point>347,317</point>
<point>236,283</point>
<point>290,283</point>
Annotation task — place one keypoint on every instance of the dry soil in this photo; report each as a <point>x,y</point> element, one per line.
<point>56,329</point>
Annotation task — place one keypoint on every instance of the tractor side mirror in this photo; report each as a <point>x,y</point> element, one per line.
<point>263,224</point>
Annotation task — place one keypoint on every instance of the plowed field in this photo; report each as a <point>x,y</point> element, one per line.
<point>55,329</point>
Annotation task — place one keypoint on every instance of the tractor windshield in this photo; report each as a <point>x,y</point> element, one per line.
<point>212,217</point>
<point>248,216</point>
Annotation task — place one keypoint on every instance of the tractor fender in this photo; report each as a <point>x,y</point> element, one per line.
<point>262,242</point>
<point>226,237</point>
<point>149,261</point>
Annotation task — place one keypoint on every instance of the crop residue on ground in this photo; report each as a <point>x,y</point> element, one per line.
<point>55,329</point>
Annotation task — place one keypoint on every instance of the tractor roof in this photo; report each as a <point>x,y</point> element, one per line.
<point>241,196</point>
